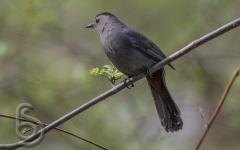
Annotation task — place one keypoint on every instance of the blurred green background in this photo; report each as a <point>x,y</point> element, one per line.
<point>46,54</point>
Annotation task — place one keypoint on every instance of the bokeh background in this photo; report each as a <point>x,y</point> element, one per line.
<point>46,54</point>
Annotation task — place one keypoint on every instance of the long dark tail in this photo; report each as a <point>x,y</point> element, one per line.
<point>167,109</point>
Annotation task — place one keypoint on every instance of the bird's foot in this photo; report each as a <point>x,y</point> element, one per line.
<point>125,82</point>
<point>149,73</point>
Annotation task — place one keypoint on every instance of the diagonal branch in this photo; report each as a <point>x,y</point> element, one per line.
<point>121,86</point>
<point>220,103</point>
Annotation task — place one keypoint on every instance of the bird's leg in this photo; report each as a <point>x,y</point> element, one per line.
<point>148,72</point>
<point>125,82</point>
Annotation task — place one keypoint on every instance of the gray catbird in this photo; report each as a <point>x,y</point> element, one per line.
<point>131,53</point>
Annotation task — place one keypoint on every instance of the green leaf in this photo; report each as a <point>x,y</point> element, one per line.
<point>108,66</point>
<point>116,71</point>
<point>118,75</point>
<point>101,71</point>
<point>109,73</point>
<point>94,71</point>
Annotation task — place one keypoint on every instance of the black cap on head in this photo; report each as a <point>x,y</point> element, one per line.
<point>106,13</point>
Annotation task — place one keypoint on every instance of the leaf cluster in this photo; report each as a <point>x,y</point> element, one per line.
<point>108,71</point>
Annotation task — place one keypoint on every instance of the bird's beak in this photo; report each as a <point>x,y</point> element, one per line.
<point>91,25</point>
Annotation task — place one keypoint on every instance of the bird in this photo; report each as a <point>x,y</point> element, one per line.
<point>132,53</point>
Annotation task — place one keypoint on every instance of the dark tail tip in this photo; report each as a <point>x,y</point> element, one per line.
<point>172,123</point>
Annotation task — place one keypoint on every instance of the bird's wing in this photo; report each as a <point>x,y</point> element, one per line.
<point>145,46</point>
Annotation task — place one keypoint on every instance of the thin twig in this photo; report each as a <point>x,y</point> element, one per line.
<point>121,86</point>
<point>220,103</point>
<point>56,128</point>
<point>27,130</point>
<point>202,115</point>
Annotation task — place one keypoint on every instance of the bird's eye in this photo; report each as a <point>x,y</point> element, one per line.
<point>97,20</point>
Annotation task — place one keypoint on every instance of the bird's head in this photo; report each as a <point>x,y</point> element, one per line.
<point>101,20</point>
